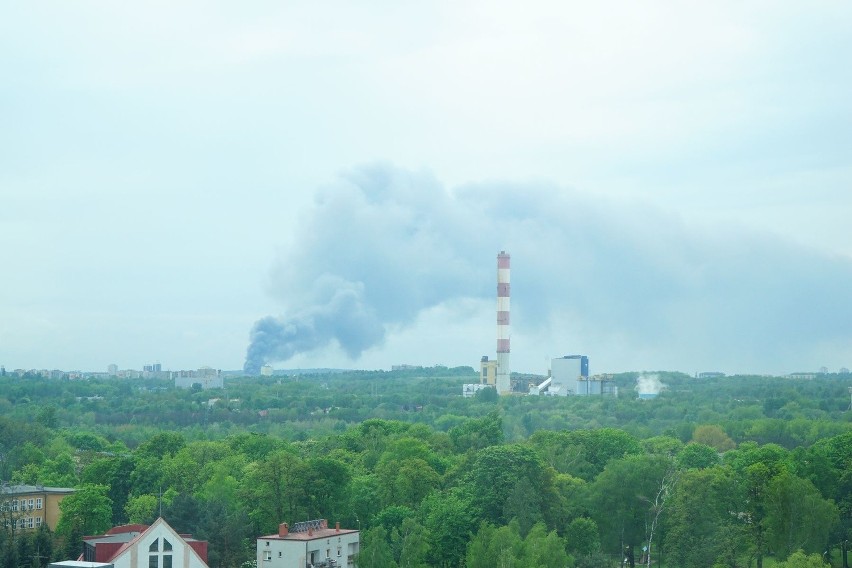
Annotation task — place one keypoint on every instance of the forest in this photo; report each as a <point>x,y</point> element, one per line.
<point>742,471</point>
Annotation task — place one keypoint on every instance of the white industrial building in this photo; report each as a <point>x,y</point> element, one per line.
<point>569,376</point>
<point>310,544</point>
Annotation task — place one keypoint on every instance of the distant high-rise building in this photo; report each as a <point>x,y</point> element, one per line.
<point>266,370</point>
<point>112,370</point>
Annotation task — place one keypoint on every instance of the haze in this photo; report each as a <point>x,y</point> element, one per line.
<point>673,183</point>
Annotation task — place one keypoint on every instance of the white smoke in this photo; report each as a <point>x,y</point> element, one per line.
<point>649,384</point>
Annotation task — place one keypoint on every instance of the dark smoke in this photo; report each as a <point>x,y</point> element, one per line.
<point>344,317</point>
<point>382,245</point>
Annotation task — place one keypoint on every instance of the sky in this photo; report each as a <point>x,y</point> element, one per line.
<point>328,184</point>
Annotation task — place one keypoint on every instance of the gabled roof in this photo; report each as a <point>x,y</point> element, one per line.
<point>117,533</point>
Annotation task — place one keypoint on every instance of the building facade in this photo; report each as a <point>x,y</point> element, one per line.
<point>143,546</point>
<point>310,544</point>
<point>31,506</point>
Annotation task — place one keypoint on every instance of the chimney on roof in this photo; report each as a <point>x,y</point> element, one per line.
<point>337,526</point>
<point>310,531</point>
<point>323,523</point>
<point>283,529</point>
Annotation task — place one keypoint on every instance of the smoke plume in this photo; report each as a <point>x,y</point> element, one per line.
<point>649,384</point>
<point>381,245</point>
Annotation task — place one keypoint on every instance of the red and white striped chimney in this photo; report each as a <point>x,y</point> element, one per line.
<point>503,349</point>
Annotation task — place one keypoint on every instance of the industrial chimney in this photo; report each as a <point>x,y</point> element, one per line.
<point>503,366</point>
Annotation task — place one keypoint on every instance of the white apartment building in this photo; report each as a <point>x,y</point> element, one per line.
<point>310,544</point>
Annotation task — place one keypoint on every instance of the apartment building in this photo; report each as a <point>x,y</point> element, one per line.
<point>310,544</point>
<point>31,506</point>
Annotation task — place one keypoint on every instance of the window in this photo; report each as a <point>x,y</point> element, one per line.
<point>30,522</point>
<point>15,505</point>
<point>155,554</point>
<point>279,554</point>
<point>38,503</point>
<point>267,555</point>
<point>31,504</point>
<point>38,521</point>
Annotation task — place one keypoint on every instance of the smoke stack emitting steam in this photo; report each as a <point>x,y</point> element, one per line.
<point>503,344</point>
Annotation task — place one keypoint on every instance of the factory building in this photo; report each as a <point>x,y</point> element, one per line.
<point>487,371</point>
<point>569,376</point>
<point>566,375</point>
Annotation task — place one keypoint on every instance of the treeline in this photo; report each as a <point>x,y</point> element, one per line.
<point>697,478</point>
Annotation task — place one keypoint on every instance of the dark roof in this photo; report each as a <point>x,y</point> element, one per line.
<point>26,489</point>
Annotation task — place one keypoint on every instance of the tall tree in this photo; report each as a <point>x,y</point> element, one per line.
<point>375,550</point>
<point>798,518</point>
<point>88,511</point>
<point>702,526</point>
<point>623,497</point>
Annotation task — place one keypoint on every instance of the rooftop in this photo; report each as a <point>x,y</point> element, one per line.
<point>308,530</point>
<point>24,489</point>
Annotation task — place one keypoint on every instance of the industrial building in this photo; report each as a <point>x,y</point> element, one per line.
<point>569,376</point>
<point>310,544</point>
<point>205,377</point>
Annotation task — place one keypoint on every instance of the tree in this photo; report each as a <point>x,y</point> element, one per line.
<point>702,526</point>
<point>713,436</point>
<point>448,519</point>
<point>544,549</point>
<point>274,490</point>
<point>697,456</point>
<point>584,453</point>
<point>328,480</point>
<point>582,536</point>
<point>161,445</point>
<point>495,473</point>
<point>115,472</point>
<point>375,551</point>
<point>797,517</point>
<point>624,498</point>
<point>757,477</point>
<point>142,509</point>
<point>88,509</point>
<point>493,547</point>
<point>799,560</point>
<point>477,433</point>
<point>411,544</point>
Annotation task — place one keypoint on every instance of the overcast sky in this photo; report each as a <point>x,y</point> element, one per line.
<point>673,181</point>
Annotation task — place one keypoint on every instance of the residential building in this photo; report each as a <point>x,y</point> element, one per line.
<point>310,544</point>
<point>30,506</point>
<point>143,546</point>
